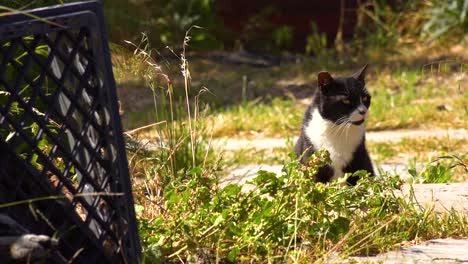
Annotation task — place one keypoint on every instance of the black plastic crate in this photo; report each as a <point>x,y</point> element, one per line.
<point>62,153</point>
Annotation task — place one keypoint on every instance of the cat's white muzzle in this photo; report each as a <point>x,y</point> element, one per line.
<point>359,115</point>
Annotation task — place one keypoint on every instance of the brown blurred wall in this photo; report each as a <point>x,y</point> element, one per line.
<point>297,14</point>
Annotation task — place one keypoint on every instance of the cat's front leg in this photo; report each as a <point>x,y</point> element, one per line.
<point>360,161</point>
<point>324,174</point>
<point>303,149</point>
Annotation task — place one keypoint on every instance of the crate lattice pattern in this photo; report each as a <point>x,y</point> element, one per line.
<point>59,137</point>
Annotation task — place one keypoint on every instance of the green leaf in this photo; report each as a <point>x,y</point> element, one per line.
<point>232,190</point>
<point>339,227</point>
<point>232,255</point>
<point>218,220</point>
<point>139,208</point>
<point>43,143</point>
<point>34,128</point>
<point>264,177</point>
<point>194,171</point>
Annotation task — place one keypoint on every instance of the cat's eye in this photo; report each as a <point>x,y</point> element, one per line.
<point>346,101</point>
<point>365,98</point>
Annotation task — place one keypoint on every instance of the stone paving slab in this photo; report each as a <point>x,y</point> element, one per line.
<point>441,197</point>
<point>432,251</point>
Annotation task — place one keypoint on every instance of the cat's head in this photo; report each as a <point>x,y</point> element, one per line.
<point>343,100</point>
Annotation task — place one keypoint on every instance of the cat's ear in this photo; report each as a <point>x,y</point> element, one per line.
<point>361,74</point>
<point>324,78</point>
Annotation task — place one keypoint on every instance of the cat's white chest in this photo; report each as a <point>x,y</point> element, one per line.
<point>340,141</point>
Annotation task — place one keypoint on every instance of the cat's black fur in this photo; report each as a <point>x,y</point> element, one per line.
<point>336,99</point>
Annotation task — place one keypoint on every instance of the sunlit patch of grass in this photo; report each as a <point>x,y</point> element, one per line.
<point>254,156</point>
<point>382,151</point>
<point>437,145</point>
<point>426,148</point>
<point>400,100</point>
<point>414,100</point>
<point>423,114</point>
<point>127,67</point>
<point>415,107</point>
<point>257,119</point>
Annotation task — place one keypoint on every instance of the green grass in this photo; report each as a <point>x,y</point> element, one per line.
<point>401,99</point>
<point>279,117</point>
<point>427,151</point>
<point>254,156</point>
<point>419,148</point>
<point>417,100</point>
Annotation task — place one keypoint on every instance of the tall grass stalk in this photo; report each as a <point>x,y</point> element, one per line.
<point>186,73</point>
<point>180,153</point>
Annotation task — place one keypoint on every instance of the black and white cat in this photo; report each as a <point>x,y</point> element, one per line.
<point>335,121</point>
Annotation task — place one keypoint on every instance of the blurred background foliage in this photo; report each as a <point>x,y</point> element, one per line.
<point>309,27</point>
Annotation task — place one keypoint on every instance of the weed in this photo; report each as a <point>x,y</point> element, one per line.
<point>316,41</point>
<point>182,147</point>
<point>288,217</point>
<point>448,21</point>
<point>440,170</point>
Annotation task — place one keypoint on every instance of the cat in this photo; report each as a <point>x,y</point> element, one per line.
<point>335,121</point>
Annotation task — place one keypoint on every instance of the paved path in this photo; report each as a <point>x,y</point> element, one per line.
<point>440,196</point>
<point>378,136</point>
<point>432,251</point>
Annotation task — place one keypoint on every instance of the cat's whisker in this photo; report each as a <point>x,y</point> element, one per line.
<point>341,129</point>
<point>337,129</point>
<point>334,128</point>
<point>339,126</point>
<point>349,124</point>
<point>343,125</point>
<point>345,129</point>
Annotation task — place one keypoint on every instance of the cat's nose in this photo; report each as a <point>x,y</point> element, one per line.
<point>362,111</point>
